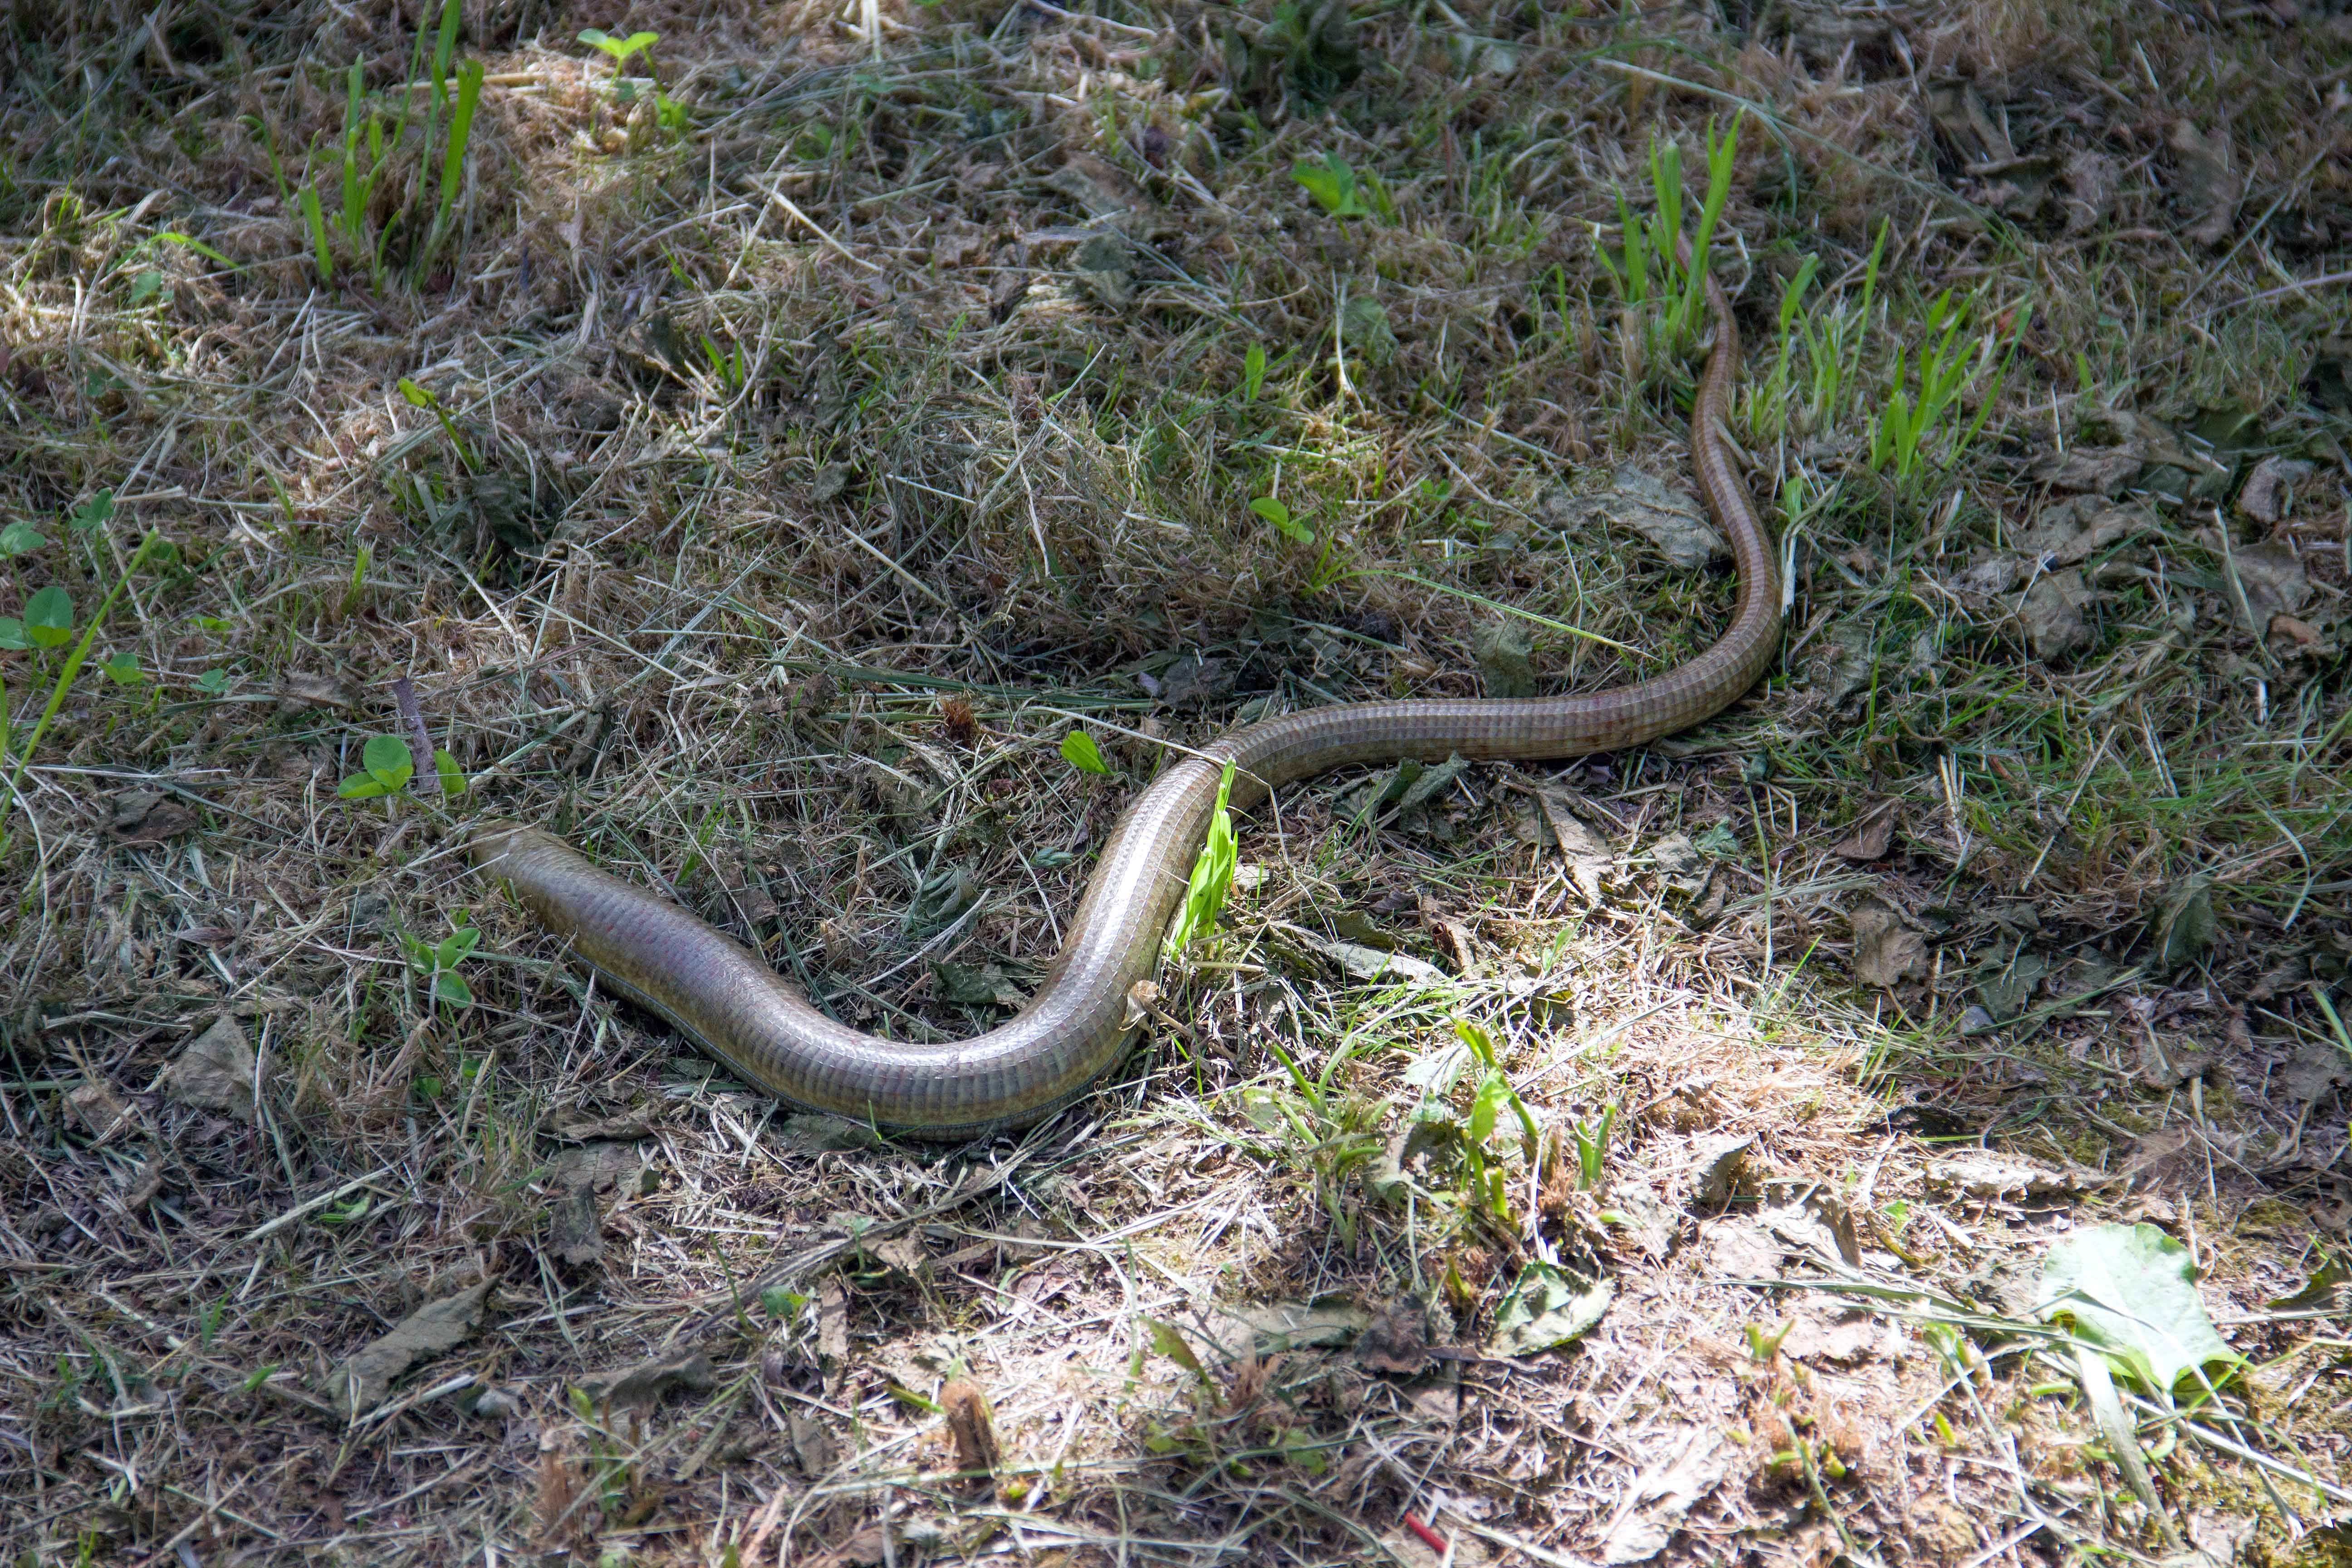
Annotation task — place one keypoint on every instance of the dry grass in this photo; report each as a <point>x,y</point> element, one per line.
<point>819,458</point>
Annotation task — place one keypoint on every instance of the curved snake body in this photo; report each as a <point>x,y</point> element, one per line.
<point>714,990</point>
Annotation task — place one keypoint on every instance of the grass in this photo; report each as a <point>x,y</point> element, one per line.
<point>798,479</point>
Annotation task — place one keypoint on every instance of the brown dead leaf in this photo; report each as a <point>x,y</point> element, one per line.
<point>1396,1340</point>
<point>833,1330</point>
<point>972,1424</point>
<point>2097,470</point>
<point>2274,580</point>
<point>575,1229</point>
<point>2052,615</point>
<point>2207,181</point>
<point>812,1445</point>
<point>148,817</point>
<point>96,1108</point>
<point>866,1549</point>
<point>214,1072</point>
<point>645,1383</point>
<point>1590,859</point>
<point>2072,533</point>
<point>1873,836</point>
<point>576,1128</point>
<point>2268,491</point>
<point>1886,952</point>
<point>2092,180</point>
<point>360,1384</point>
<point>1105,192</point>
<point>1688,1467</point>
<point>298,692</point>
<point>1669,519</point>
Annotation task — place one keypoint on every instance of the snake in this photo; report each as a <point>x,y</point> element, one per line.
<point>1086,1011</point>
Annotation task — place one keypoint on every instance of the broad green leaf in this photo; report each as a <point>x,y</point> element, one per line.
<point>453,777</point>
<point>1078,748</point>
<point>619,48</point>
<point>450,986</point>
<point>12,634</point>
<point>122,669</point>
<point>1170,1343</point>
<point>1548,1306</point>
<point>1332,182</point>
<point>145,285</point>
<point>1488,1106</point>
<point>388,762</point>
<point>49,617</point>
<point>21,539</point>
<point>92,513</point>
<point>1252,373</point>
<point>360,787</point>
<point>198,245</point>
<point>2131,1291</point>
<point>213,682</point>
<point>417,396</point>
<point>1212,873</point>
<point>1278,516</point>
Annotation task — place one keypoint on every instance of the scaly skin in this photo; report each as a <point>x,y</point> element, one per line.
<point>1076,1027</point>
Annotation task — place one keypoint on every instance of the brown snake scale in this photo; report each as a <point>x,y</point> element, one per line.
<point>721,995</point>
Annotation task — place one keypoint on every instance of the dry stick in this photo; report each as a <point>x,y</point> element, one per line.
<point>403,695</point>
<point>270,1228</point>
<point>785,202</point>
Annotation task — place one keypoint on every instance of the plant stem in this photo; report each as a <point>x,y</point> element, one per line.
<point>72,667</point>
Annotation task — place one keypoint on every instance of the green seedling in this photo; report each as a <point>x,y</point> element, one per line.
<point>122,669</point>
<point>438,961</point>
<point>1340,191</point>
<point>20,539</point>
<point>422,398</point>
<point>669,113</point>
<point>619,49</point>
<point>1485,1175</point>
<point>48,622</point>
<point>1764,1345</point>
<point>453,157</point>
<point>1252,373</point>
<point>92,514</point>
<point>386,766</point>
<point>444,47</point>
<point>1278,517</point>
<point>1591,1139</point>
<point>359,564</point>
<point>315,218</point>
<point>1212,874</point>
<point>1647,269</point>
<point>727,366</point>
<point>1945,364</point>
<point>1078,750</point>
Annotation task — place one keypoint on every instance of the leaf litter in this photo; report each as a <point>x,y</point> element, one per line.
<point>650,626</point>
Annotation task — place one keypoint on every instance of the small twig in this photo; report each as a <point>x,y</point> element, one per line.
<point>403,695</point>
<point>1413,1521</point>
<point>271,1227</point>
<point>811,223</point>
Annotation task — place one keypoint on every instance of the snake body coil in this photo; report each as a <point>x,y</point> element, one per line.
<point>722,995</point>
